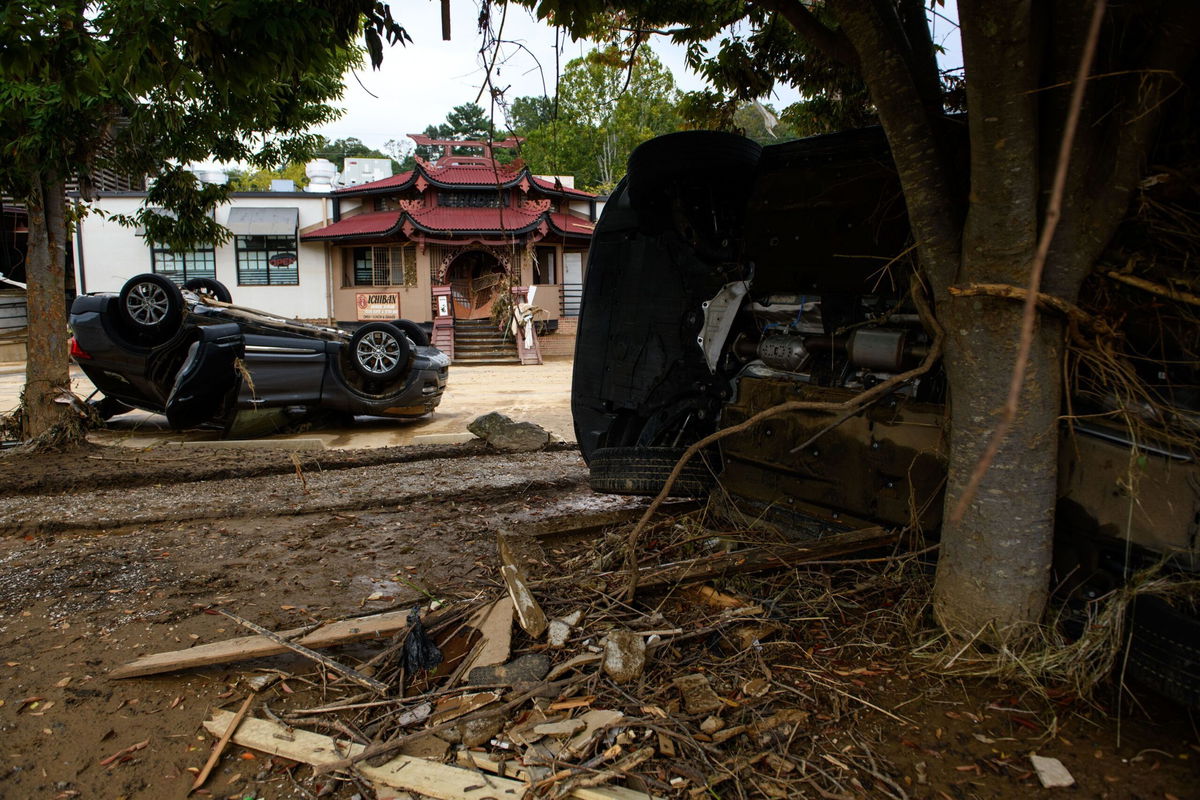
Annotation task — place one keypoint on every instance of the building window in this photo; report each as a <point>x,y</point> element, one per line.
<point>267,261</point>
<point>181,266</point>
<point>545,265</point>
<point>384,266</point>
<point>485,199</point>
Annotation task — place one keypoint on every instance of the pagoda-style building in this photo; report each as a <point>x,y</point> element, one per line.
<point>446,239</point>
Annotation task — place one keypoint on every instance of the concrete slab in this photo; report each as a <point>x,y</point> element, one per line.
<point>247,444</point>
<point>444,438</point>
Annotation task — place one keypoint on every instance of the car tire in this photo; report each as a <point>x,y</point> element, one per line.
<point>381,351</point>
<point>150,307</point>
<point>1164,649</point>
<point>413,331</point>
<point>209,287</point>
<point>644,471</point>
<point>108,407</point>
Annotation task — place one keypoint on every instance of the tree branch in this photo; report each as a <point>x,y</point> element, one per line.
<point>832,43</point>
<point>924,163</point>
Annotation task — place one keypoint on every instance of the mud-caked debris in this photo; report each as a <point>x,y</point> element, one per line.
<point>476,731</point>
<point>503,433</point>
<point>526,669</point>
<point>560,629</point>
<point>698,694</point>
<point>624,655</point>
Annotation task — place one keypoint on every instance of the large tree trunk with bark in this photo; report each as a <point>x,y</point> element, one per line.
<point>993,567</point>
<point>47,373</point>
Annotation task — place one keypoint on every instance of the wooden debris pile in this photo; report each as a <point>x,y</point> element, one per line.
<point>723,669</point>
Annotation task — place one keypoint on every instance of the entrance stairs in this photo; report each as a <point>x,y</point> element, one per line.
<point>477,341</point>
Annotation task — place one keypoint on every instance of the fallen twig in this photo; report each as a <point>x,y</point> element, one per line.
<point>219,747</point>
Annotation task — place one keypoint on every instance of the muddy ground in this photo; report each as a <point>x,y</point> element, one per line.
<point>109,553</point>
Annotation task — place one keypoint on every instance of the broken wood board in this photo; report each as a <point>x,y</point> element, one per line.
<point>434,779</point>
<point>494,624</point>
<point>344,631</point>
<point>529,613</point>
<point>430,778</point>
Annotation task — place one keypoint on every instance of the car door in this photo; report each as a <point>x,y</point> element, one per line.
<point>284,370</point>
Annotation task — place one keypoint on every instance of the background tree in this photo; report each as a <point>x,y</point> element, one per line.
<point>605,109</point>
<point>339,150</point>
<point>260,180</point>
<point>142,88</point>
<point>1020,69</point>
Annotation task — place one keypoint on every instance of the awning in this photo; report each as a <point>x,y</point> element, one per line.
<point>263,221</point>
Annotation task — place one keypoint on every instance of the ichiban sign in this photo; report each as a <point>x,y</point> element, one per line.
<point>384,306</point>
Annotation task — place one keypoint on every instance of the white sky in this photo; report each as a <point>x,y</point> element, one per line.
<point>420,83</point>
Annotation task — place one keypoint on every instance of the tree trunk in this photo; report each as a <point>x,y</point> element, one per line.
<point>994,565</point>
<point>47,372</point>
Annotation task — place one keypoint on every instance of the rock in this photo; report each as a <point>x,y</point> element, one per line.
<point>520,437</point>
<point>474,732</point>
<point>624,655</point>
<point>485,426</point>
<point>567,727</point>
<point>698,694</point>
<point>502,433</point>
<point>526,669</point>
<point>1051,772</point>
<point>712,725</point>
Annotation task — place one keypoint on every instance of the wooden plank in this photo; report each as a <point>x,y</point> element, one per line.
<point>430,778</point>
<point>344,631</point>
<point>494,622</point>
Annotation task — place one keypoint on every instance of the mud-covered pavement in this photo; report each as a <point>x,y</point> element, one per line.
<point>110,553</point>
<point>92,578</point>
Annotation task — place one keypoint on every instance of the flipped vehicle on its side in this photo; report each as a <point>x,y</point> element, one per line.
<point>196,358</point>
<point>725,278</point>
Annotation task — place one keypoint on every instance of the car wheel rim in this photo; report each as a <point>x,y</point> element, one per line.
<point>378,353</point>
<point>147,304</point>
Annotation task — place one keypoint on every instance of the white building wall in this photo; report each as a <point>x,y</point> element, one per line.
<point>108,254</point>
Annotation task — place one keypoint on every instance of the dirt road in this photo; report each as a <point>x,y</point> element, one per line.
<point>111,553</point>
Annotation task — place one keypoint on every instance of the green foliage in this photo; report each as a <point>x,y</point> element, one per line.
<point>744,50</point>
<point>339,150</point>
<point>260,180</point>
<point>136,86</point>
<point>604,110</point>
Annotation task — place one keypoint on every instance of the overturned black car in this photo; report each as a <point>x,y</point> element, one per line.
<point>710,300</point>
<point>193,356</point>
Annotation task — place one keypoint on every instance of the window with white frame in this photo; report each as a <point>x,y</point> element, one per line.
<point>267,261</point>
<point>384,266</point>
<point>183,265</point>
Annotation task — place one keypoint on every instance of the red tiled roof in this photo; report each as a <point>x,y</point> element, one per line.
<point>571,224</point>
<point>396,181</point>
<point>441,218</point>
<point>472,175</point>
<point>377,222</point>
<point>542,183</point>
